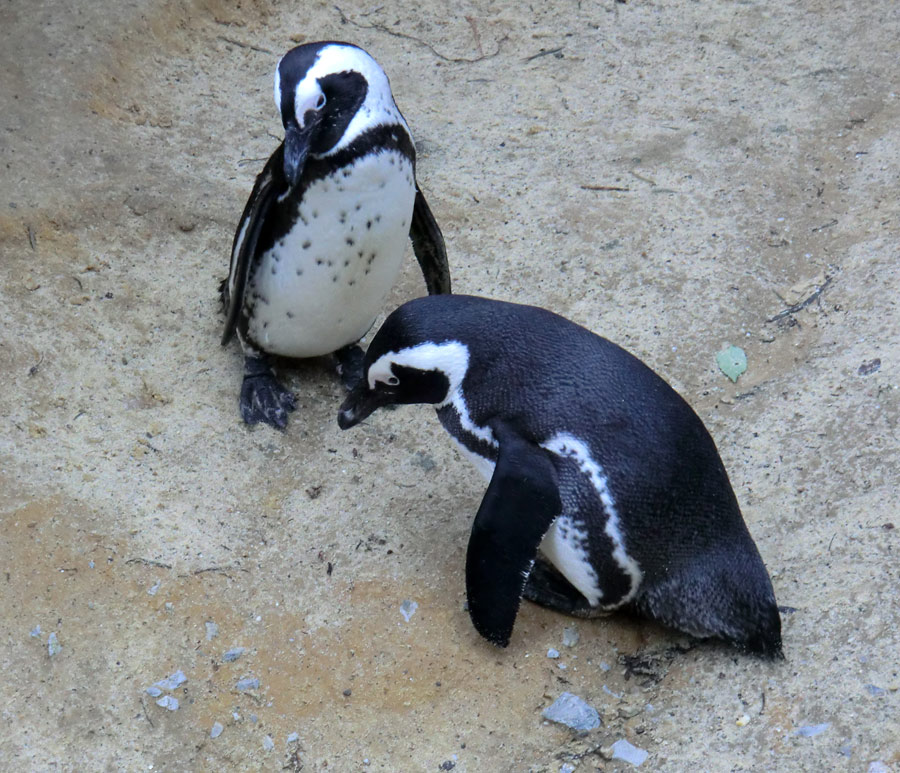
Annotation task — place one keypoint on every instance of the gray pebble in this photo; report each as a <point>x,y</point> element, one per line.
<point>622,750</point>
<point>216,731</point>
<point>573,712</point>
<point>151,591</point>
<point>567,767</point>
<point>810,730</point>
<point>248,683</point>
<point>153,692</point>
<point>233,654</point>
<point>875,690</point>
<point>877,766</point>
<point>212,630</point>
<point>570,637</point>
<point>293,738</point>
<point>53,645</point>
<point>408,609</point>
<point>35,632</point>
<point>168,702</point>
<point>552,653</point>
<point>172,682</point>
<point>268,743</point>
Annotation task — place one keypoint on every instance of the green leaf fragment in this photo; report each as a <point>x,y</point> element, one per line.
<point>732,361</point>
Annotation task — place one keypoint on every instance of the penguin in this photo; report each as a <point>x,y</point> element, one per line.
<point>321,239</point>
<point>606,490</point>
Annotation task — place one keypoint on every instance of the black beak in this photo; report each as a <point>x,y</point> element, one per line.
<point>359,405</point>
<point>296,148</point>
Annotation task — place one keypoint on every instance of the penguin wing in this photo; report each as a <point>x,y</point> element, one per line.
<point>521,502</point>
<point>428,245</point>
<point>269,183</point>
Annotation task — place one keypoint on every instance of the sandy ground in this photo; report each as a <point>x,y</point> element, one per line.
<point>673,174</point>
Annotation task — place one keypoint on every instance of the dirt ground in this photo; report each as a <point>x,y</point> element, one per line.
<point>675,175</point>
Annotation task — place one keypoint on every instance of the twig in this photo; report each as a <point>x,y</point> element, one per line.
<point>539,54</point>
<point>148,562</point>
<point>475,35</point>
<point>642,179</point>
<point>31,238</point>
<point>245,161</point>
<point>803,304</point>
<point>823,227</point>
<point>387,30</point>
<point>146,715</point>
<point>239,44</point>
<point>604,188</point>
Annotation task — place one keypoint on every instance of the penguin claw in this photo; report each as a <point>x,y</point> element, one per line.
<point>264,400</point>
<point>350,365</point>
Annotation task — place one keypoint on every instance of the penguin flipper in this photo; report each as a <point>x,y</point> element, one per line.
<point>519,505</point>
<point>269,183</point>
<point>428,245</point>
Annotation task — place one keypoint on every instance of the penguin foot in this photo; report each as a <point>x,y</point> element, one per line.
<point>546,587</point>
<point>263,399</point>
<point>350,365</point>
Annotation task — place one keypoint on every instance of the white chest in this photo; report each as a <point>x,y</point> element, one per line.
<point>321,286</point>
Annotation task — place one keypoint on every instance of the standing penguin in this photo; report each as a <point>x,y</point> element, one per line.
<point>320,242</point>
<point>593,460</point>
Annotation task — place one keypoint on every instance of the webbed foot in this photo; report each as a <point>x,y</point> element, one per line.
<point>263,399</point>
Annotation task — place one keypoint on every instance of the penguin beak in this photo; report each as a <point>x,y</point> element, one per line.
<point>359,405</point>
<point>296,148</point>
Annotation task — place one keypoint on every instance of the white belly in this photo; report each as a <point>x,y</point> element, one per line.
<point>322,285</point>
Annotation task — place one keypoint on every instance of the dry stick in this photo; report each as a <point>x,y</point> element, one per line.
<point>604,188</point>
<point>803,304</point>
<point>539,54</point>
<point>455,60</point>
<point>239,44</point>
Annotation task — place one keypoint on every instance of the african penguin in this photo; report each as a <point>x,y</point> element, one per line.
<point>593,460</point>
<point>321,239</point>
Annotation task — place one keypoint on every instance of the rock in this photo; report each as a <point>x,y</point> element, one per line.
<point>875,690</point>
<point>151,591</point>
<point>570,637</point>
<point>53,645</point>
<point>809,731</point>
<point>573,712</point>
<point>153,692</point>
<point>408,609</point>
<point>168,702</point>
<point>552,653</point>
<point>212,630</point>
<point>622,750</point>
<point>233,654</point>
<point>567,767</point>
<point>627,711</point>
<point>742,720</point>
<point>293,738</point>
<point>247,683</point>
<point>268,743</point>
<point>35,632</point>
<point>216,730</point>
<point>172,682</point>
<point>877,766</point>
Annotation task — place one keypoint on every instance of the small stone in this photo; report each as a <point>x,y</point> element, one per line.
<point>808,731</point>
<point>268,743</point>
<point>53,645</point>
<point>408,609</point>
<point>875,690</point>
<point>35,632</point>
<point>233,654</point>
<point>168,702</point>
<point>605,666</point>
<point>212,630</point>
<point>877,766</point>
<point>573,712</point>
<point>347,693</point>
<point>627,711</point>
<point>869,367</point>
<point>622,750</point>
<point>172,682</point>
<point>90,564</point>
<point>570,637</point>
<point>742,720</point>
<point>447,765</point>
<point>153,692</point>
<point>552,653</point>
<point>567,767</point>
<point>216,730</point>
<point>247,683</point>
<point>151,591</point>
<point>293,738</point>
<point>170,607</point>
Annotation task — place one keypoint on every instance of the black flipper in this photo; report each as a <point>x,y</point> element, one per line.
<point>269,185</point>
<point>428,245</point>
<point>263,399</point>
<point>521,502</point>
<point>548,588</point>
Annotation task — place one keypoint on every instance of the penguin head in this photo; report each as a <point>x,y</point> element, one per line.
<point>328,94</point>
<point>403,367</point>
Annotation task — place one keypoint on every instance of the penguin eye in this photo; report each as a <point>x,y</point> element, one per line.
<point>320,102</point>
<point>393,380</point>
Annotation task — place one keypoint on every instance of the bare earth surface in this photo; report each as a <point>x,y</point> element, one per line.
<point>672,174</point>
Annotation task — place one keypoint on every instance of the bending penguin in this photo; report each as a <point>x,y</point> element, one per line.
<point>321,239</point>
<point>606,491</point>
